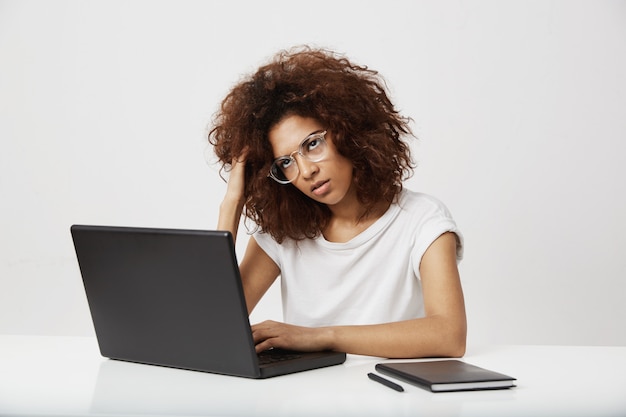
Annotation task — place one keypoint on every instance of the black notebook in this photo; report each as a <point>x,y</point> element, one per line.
<point>446,375</point>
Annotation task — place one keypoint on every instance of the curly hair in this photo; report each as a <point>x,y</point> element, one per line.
<point>349,100</point>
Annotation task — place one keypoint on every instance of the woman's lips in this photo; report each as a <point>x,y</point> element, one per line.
<point>320,187</point>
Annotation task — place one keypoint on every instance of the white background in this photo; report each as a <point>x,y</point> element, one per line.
<point>519,106</point>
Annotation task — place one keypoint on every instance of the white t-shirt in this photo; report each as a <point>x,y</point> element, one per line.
<point>373,278</point>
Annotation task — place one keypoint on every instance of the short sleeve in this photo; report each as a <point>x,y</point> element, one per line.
<point>435,221</point>
<point>269,246</point>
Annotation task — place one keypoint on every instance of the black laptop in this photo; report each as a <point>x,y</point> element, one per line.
<point>174,298</point>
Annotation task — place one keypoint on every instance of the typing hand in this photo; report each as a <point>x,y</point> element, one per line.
<point>271,334</point>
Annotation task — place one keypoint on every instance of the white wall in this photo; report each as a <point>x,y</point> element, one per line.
<point>520,108</point>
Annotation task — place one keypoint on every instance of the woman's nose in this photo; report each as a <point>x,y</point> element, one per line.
<point>306,167</point>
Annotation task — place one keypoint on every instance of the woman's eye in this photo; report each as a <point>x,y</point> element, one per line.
<point>312,144</point>
<point>285,163</point>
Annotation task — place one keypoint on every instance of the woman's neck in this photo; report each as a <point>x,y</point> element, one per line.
<point>348,221</point>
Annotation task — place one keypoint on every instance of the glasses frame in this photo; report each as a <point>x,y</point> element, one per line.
<point>298,151</point>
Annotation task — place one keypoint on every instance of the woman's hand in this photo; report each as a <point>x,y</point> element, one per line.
<point>271,334</point>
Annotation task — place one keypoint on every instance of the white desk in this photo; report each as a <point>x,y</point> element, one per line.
<point>67,376</point>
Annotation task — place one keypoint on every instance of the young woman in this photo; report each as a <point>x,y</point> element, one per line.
<point>316,155</point>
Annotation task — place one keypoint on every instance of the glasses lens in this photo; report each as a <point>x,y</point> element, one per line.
<point>284,170</point>
<point>314,148</point>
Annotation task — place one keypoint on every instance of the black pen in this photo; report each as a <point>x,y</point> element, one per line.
<point>385,382</point>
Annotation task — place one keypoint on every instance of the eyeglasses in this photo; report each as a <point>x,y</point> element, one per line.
<point>284,169</point>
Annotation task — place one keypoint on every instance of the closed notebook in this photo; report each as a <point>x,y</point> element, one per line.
<point>446,375</point>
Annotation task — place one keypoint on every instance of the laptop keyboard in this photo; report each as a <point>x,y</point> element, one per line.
<point>276,355</point>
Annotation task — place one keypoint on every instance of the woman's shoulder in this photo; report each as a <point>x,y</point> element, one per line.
<point>415,200</point>
<point>417,209</point>
<point>429,217</point>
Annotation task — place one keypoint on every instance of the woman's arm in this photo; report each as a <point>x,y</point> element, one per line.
<point>442,332</point>
<point>258,271</point>
<point>233,202</point>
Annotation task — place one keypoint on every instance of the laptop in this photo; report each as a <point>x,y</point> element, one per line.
<point>174,298</point>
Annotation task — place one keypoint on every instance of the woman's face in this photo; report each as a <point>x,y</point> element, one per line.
<point>327,181</point>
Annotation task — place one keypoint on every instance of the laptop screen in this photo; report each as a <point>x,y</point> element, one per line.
<point>166,297</point>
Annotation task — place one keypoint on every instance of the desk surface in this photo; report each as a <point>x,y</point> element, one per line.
<point>67,376</point>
